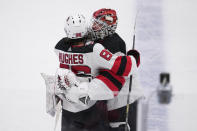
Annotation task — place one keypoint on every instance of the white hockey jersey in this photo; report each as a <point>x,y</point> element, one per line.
<point>108,83</point>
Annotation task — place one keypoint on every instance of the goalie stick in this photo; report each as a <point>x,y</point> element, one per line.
<point>127,127</point>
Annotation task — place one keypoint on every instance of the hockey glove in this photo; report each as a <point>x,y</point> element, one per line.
<point>136,55</point>
<point>65,79</point>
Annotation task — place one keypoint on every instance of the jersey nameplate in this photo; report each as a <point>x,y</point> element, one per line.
<point>71,58</point>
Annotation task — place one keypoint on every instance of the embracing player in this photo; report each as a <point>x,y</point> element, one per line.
<point>103,27</point>
<point>87,60</point>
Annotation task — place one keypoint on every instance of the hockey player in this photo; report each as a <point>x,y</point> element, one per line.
<point>102,29</point>
<point>74,55</point>
<point>76,116</point>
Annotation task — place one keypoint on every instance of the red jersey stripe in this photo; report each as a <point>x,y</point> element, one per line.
<point>117,77</point>
<point>109,84</point>
<point>116,65</point>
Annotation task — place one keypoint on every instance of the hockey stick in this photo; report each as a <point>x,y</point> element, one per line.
<point>127,127</point>
<point>58,112</point>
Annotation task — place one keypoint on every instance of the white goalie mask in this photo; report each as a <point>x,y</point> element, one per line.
<point>75,26</point>
<point>104,23</point>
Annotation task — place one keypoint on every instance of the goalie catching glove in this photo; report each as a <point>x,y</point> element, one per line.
<point>65,79</point>
<point>67,87</point>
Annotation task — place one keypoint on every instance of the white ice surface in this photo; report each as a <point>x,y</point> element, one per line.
<point>30,29</point>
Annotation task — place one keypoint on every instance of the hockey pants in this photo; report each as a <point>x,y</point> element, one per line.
<point>92,119</point>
